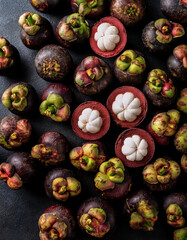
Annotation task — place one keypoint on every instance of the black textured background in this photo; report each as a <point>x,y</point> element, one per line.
<point>20,210</point>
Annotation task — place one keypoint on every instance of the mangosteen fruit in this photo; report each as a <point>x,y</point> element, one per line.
<point>108,37</point>
<point>135,147</point>
<point>14,132</point>
<point>159,89</point>
<point>182,101</point>
<point>96,217</point>
<point>56,101</point>
<point>36,31</point>
<point>177,63</point>
<point>180,139</point>
<point>45,5</point>
<point>162,174</point>
<point>19,168</point>
<point>57,222</point>
<point>127,106</point>
<point>142,208</point>
<point>53,63</point>
<point>8,56</point>
<point>129,12</point>
<point>89,8</point>
<point>159,35</point>
<point>184,162</point>
<point>51,148</point>
<point>88,157</point>
<point>73,31</point>
<point>61,184</point>
<point>20,98</point>
<point>92,76</point>
<point>129,68</point>
<point>180,234</point>
<point>113,180</point>
<point>90,120</point>
<point>176,10</point>
<point>164,125</point>
<point>175,207</point>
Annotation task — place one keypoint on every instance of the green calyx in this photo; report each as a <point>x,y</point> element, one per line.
<point>94,222</point>
<point>85,7</point>
<point>180,234</point>
<point>145,217</point>
<point>156,79</point>
<point>110,173</point>
<point>184,162</point>
<point>87,163</point>
<point>174,216</point>
<point>129,61</point>
<point>182,101</point>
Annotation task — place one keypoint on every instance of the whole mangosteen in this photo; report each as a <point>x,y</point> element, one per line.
<point>130,12</point>
<point>142,208</point>
<point>45,5</point>
<point>96,217</point>
<point>159,89</point>
<point>56,101</point>
<point>73,31</point>
<point>176,10</point>
<point>180,139</point>
<point>20,98</point>
<point>88,157</point>
<point>14,132</point>
<point>61,184</point>
<point>159,35</point>
<point>36,30</point>
<point>19,168</point>
<point>51,148</point>
<point>177,63</point>
<point>53,63</point>
<point>175,207</point>
<point>180,234</point>
<point>162,174</point>
<point>113,180</point>
<point>57,222</point>
<point>129,68</point>
<point>90,9</point>
<point>92,76</point>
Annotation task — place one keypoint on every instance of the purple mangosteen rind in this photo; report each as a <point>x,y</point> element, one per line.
<point>45,6</point>
<point>26,95</point>
<point>128,12</point>
<point>174,10</point>
<point>53,63</point>
<point>95,86</point>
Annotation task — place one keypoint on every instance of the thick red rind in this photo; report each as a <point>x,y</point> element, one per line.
<point>122,33</point>
<point>103,113</point>
<point>129,133</point>
<point>137,93</point>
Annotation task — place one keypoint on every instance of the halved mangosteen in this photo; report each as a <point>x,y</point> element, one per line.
<point>57,222</point>
<point>108,37</point>
<point>142,208</point>
<point>127,106</point>
<point>175,207</point>
<point>56,101</point>
<point>135,147</point>
<point>129,68</point>
<point>90,120</point>
<point>113,180</point>
<point>161,175</point>
<point>176,10</point>
<point>159,35</point>
<point>96,217</point>
<point>92,76</point>
<point>88,157</point>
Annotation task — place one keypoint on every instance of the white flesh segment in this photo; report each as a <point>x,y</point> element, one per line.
<point>136,139</point>
<point>127,99</point>
<point>103,27</point>
<point>112,30</point>
<point>129,142</point>
<point>100,44</point>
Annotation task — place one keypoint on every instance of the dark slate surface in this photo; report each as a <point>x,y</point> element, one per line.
<point>20,210</point>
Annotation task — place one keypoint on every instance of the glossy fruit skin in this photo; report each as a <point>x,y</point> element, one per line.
<point>53,63</point>
<point>45,5</point>
<point>174,10</point>
<point>61,215</point>
<point>14,132</point>
<point>55,174</point>
<point>31,99</point>
<point>51,149</point>
<point>119,9</point>
<point>96,202</point>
